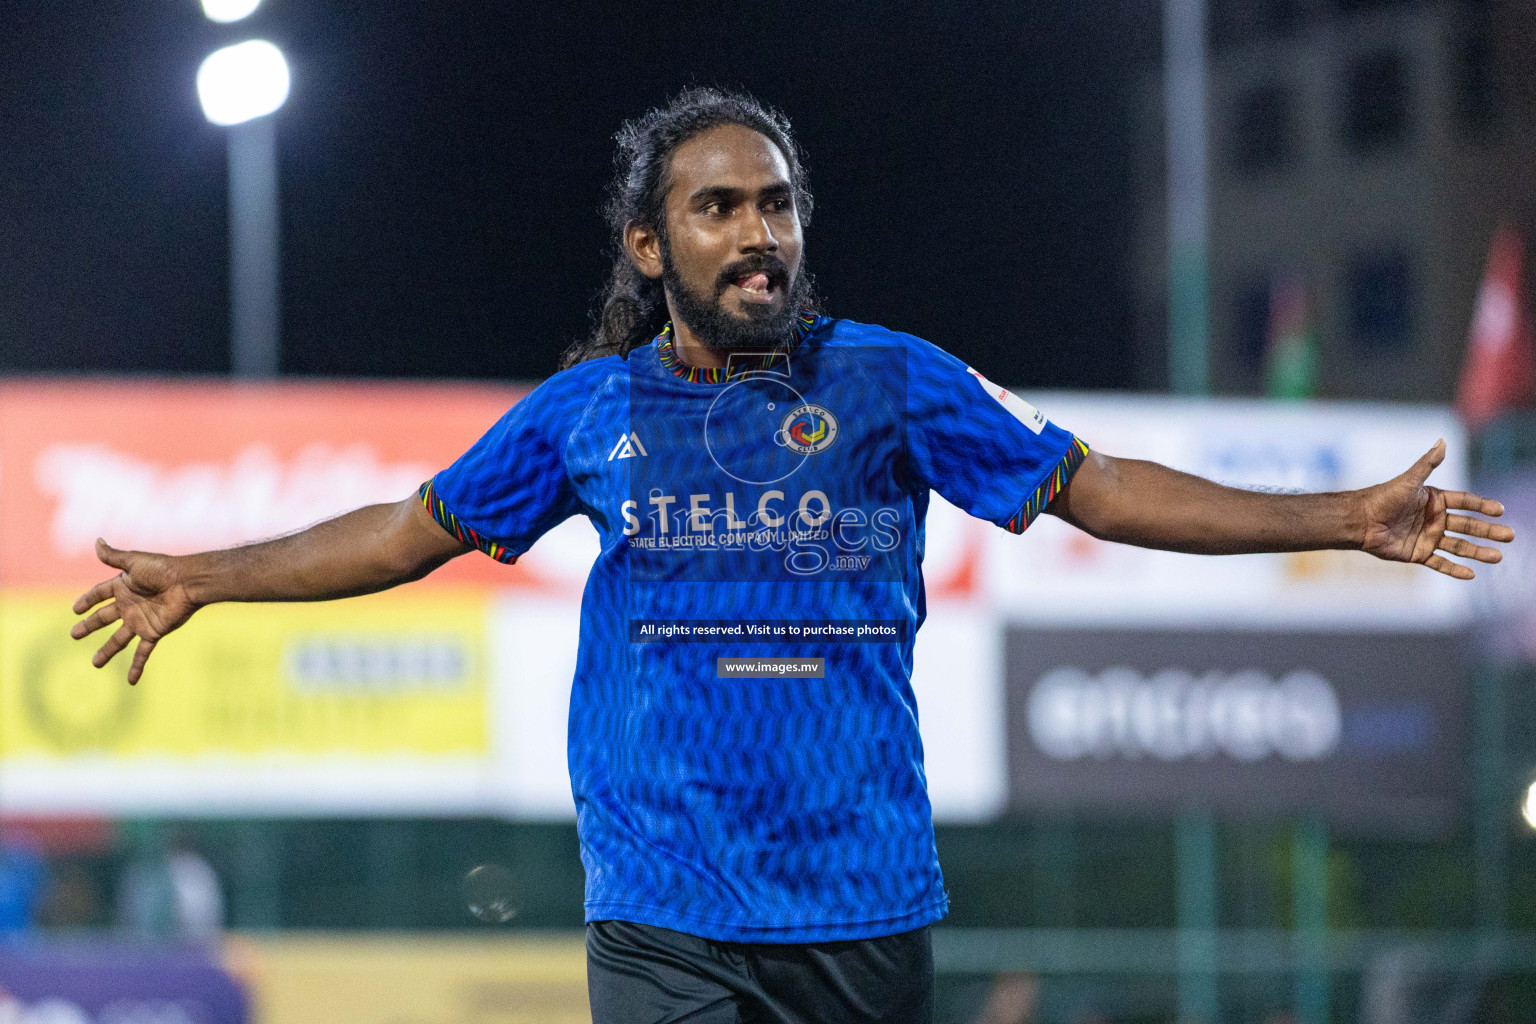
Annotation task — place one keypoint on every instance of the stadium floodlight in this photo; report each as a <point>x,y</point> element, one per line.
<point>1528,805</point>
<point>242,82</point>
<point>226,11</point>
<point>239,87</point>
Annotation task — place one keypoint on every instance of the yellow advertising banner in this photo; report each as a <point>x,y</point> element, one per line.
<point>398,674</point>
<point>404,979</point>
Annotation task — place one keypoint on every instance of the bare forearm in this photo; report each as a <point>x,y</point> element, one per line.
<point>364,551</point>
<point>1149,505</point>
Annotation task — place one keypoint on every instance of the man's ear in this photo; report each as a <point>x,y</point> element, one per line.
<point>643,245</point>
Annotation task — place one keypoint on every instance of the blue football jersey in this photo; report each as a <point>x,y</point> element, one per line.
<point>774,510</point>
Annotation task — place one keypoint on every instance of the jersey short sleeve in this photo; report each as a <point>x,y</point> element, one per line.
<point>982,447</point>
<point>511,486</point>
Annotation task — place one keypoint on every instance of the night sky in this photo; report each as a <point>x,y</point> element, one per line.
<point>443,164</point>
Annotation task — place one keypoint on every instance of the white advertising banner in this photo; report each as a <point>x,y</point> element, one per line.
<point>1056,575</point>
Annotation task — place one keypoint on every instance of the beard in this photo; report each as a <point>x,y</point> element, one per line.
<point>758,328</point>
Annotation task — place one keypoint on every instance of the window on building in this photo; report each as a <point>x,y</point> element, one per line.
<point>1374,5</point>
<point>1235,22</point>
<point>1376,101</point>
<point>1264,128</point>
<point>1476,75</point>
<point>1250,326</point>
<point>1379,289</point>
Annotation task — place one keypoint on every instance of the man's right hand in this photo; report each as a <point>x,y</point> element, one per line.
<point>149,597</point>
<point>362,552</point>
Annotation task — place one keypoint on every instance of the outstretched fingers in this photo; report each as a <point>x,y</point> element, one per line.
<point>1469,502</point>
<point>107,613</point>
<point>1479,528</point>
<point>1469,526</point>
<point>1450,568</point>
<point>115,643</point>
<point>141,655</point>
<point>1466,549</point>
<point>93,597</point>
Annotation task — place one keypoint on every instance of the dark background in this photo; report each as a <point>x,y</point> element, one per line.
<point>442,167</point>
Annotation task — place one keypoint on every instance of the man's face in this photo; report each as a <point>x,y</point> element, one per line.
<point>730,258</point>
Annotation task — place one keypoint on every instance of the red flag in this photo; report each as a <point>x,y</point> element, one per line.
<point>1500,371</point>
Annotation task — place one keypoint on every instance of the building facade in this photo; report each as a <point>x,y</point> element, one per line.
<point>1363,152</point>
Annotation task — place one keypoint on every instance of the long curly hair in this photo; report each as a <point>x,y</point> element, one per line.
<point>632,308</point>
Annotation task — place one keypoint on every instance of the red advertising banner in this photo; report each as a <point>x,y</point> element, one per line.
<point>181,467</point>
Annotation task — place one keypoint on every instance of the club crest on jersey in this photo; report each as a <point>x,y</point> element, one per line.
<point>807,429</point>
<point>627,447</point>
<point>1021,410</point>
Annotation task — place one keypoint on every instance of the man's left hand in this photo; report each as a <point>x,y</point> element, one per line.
<point>1408,521</point>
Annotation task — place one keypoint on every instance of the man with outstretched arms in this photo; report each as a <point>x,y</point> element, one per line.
<point>743,745</point>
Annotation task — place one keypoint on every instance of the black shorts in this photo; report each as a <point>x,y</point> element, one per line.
<point>640,974</point>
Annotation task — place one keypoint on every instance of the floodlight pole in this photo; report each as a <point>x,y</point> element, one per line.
<point>1309,903</point>
<point>1184,98</point>
<point>1184,102</point>
<point>255,310</point>
<point>1196,904</point>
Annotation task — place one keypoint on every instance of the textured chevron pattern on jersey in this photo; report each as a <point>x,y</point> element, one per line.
<point>754,810</point>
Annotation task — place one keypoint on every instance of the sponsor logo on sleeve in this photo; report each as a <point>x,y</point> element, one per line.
<point>1021,410</point>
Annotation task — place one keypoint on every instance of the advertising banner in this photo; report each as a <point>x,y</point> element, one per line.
<point>1058,575</point>
<point>450,695</point>
<point>178,467</point>
<point>100,984</point>
<point>1370,730</point>
<point>374,705</point>
<point>390,979</point>
<point>377,703</point>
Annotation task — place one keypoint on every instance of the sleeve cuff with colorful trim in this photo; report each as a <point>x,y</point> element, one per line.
<point>1051,486</point>
<point>450,522</point>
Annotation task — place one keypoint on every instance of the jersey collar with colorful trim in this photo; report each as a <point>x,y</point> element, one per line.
<point>666,351</point>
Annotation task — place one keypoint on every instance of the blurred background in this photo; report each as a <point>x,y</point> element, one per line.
<point>1280,243</point>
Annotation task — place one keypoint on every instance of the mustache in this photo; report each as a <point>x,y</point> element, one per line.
<point>764,263</point>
